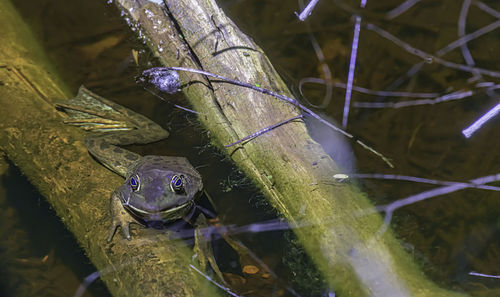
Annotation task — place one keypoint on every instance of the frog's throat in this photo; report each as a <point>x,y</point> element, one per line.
<point>170,214</point>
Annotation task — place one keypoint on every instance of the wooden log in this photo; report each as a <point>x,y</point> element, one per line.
<point>291,169</point>
<point>55,160</point>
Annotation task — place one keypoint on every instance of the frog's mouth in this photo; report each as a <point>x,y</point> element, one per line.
<point>169,214</point>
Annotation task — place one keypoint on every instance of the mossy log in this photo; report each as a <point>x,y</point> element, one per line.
<point>54,159</point>
<point>291,169</point>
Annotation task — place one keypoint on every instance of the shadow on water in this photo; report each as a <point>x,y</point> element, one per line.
<point>39,257</point>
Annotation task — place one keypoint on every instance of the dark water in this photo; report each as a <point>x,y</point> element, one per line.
<point>449,235</point>
<point>39,257</point>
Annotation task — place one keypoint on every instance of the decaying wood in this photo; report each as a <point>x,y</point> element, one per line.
<point>54,159</point>
<point>291,169</point>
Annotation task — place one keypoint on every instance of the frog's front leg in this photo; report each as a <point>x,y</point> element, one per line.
<point>119,218</point>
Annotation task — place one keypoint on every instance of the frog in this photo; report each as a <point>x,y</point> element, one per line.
<point>156,189</point>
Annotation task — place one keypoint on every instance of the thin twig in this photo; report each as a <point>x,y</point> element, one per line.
<point>481,121</point>
<point>367,91</point>
<point>432,58</point>
<point>352,66</point>
<point>391,207</point>
<point>262,131</point>
<point>276,95</point>
<point>327,73</point>
<point>401,9</point>
<point>487,9</point>
<point>421,180</point>
<point>451,46</point>
<point>483,275</point>
<point>227,290</point>
<point>461,32</point>
<point>448,97</point>
<point>307,11</point>
<point>178,106</point>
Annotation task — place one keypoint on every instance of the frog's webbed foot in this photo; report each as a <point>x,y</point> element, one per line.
<point>119,218</point>
<point>203,247</point>
<point>93,112</point>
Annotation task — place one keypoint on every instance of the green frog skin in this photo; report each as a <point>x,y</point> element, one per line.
<point>156,188</point>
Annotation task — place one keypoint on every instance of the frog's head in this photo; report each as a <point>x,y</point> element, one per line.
<point>160,188</point>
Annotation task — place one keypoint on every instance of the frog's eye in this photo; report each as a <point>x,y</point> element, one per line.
<point>176,183</point>
<point>135,183</point>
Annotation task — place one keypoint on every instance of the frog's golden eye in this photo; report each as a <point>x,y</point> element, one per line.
<point>135,183</point>
<point>177,183</point>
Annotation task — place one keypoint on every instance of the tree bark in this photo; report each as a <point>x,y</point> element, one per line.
<point>291,169</point>
<point>55,160</point>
